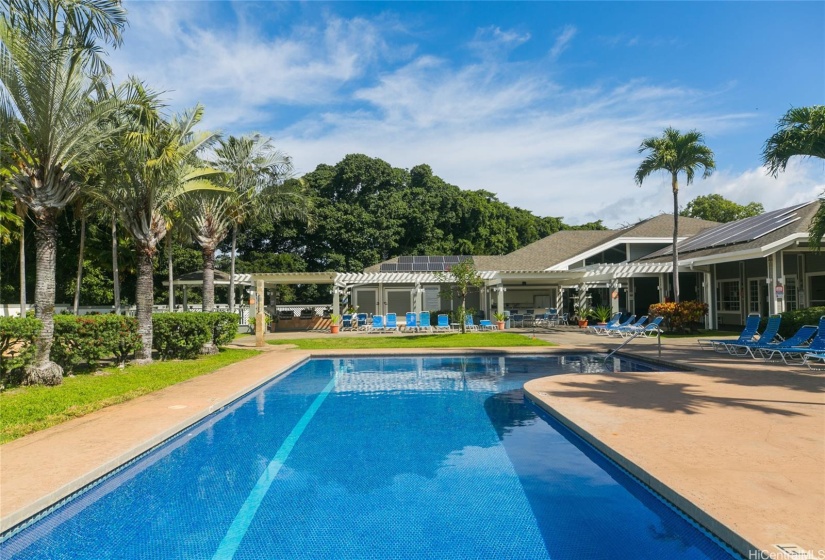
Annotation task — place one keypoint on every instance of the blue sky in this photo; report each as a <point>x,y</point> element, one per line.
<point>543,103</point>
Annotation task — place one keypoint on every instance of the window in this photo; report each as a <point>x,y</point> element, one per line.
<point>791,302</point>
<point>727,296</point>
<point>753,296</point>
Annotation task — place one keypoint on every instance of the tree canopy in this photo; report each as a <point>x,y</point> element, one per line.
<point>717,208</point>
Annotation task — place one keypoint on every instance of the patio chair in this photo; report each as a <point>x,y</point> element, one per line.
<point>517,320</point>
<point>770,333</point>
<point>377,324</point>
<point>486,325</point>
<point>469,324</point>
<point>652,328</point>
<point>814,356</point>
<point>363,322</point>
<point>817,345</point>
<point>347,323</point>
<point>748,334</point>
<point>424,322</point>
<point>443,324</point>
<point>629,329</point>
<point>604,330</point>
<point>800,338</point>
<point>411,322</point>
<point>391,322</point>
<point>613,322</point>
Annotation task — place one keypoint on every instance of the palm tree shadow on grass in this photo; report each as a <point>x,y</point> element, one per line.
<point>653,394</point>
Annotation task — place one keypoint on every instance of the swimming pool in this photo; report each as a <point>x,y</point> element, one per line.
<point>420,457</point>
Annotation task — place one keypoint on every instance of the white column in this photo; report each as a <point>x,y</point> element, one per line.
<point>500,298</point>
<point>260,328</point>
<point>614,302</point>
<point>710,320</point>
<point>336,300</point>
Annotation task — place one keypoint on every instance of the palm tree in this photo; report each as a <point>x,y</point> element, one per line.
<point>208,220</point>
<point>255,171</point>
<point>675,153</point>
<point>50,124</point>
<point>152,163</point>
<point>801,132</point>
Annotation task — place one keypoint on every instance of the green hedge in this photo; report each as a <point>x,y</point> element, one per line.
<point>182,335</point>
<point>17,336</point>
<point>792,320</point>
<point>88,339</point>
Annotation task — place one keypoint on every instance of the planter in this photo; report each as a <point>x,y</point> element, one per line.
<point>333,329</point>
<point>500,325</point>
<point>582,323</point>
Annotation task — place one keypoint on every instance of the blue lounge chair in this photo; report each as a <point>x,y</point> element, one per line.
<point>800,338</point>
<point>605,330</point>
<point>629,329</point>
<point>346,322</point>
<point>391,322</point>
<point>748,334</point>
<point>769,336</point>
<point>363,321</point>
<point>443,324</point>
<point>614,321</point>
<point>486,325</point>
<point>424,322</point>
<point>469,324</point>
<point>817,345</point>
<point>377,324</point>
<point>814,356</point>
<point>652,328</point>
<point>411,322</point>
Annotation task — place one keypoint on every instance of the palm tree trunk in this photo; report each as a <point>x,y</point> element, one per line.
<point>208,279</point>
<point>44,371</point>
<point>79,264</point>
<point>22,211</point>
<point>115,272</point>
<point>144,296</point>
<point>675,185</point>
<point>171,272</point>
<point>232,269</point>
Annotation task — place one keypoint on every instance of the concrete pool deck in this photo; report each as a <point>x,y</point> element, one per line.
<point>739,445</point>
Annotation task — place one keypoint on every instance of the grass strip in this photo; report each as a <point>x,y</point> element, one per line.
<point>24,410</point>
<point>368,341</point>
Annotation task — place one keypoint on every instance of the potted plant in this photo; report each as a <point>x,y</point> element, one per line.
<point>582,312</point>
<point>500,317</point>
<point>334,321</point>
<point>602,314</point>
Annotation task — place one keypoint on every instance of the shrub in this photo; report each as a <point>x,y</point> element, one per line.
<point>182,335</point>
<point>681,316</point>
<point>91,338</point>
<point>17,336</point>
<point>792,320</point>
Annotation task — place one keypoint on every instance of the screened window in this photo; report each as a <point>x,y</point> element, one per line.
<point>791,300</point>
<point>753,296</point>
<point>728,296</point>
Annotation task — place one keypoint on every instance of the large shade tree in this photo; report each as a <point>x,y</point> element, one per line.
<point>152,163</point>
<point>50,120</point>
<point>800,133</point>
<point>675,153</point>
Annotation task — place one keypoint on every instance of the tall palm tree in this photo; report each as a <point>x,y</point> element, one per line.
<point>50,124</point>
<point>255,171</point>
<point>209,219</point>
<point>675,153</point>
<point>800,132</point>
<point>152,160</point>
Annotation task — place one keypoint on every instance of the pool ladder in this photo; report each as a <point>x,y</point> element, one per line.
<point>628,341</point>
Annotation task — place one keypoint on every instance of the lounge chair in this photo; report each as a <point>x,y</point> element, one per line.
<point>363,321</point>
<point>800,338</point>
<point>486,325</point>
<point>769,335</point>
<point>411,322</point>
<point>424,322</point>
<point>443,324</point>
<point>605,330</point>
<point>614,321</point>
<point>377,324</point>
<point>817,345</point>
<point>629,329</point>
<point>469,324</point>
<point>652,328</point>
<point>347,323</point>
<point>814,356</point>
<point>391,322</point>
<point>748,334</point>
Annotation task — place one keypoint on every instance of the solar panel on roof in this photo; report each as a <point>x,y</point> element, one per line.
<point>389,267</point>
<point>405,260</point>
<point>452,259</point>
<point>436,259</point>
<point>420,267</point>
<point>421,259</point>
<point>405,267</point>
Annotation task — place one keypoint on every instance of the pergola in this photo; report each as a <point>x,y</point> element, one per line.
<point>196,279</point>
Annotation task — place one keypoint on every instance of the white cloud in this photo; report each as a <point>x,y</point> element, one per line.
<point>562,41</point>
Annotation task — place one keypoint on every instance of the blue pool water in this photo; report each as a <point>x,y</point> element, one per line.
<point>375,458</point>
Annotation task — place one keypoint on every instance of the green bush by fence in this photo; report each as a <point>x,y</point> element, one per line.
<point>91,338</point>
<point>792,320</point>
<point>182,335</point>
<point>17,336</point>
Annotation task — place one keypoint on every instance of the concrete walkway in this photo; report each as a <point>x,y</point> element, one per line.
<point>739,445</point>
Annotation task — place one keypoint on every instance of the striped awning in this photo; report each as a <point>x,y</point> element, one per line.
<point>350,278</point>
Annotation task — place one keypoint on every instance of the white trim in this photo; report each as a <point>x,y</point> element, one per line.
<point>565,264</point>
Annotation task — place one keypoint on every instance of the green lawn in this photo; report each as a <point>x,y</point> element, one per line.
<point>469,340</point>
<point>28,409</point>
